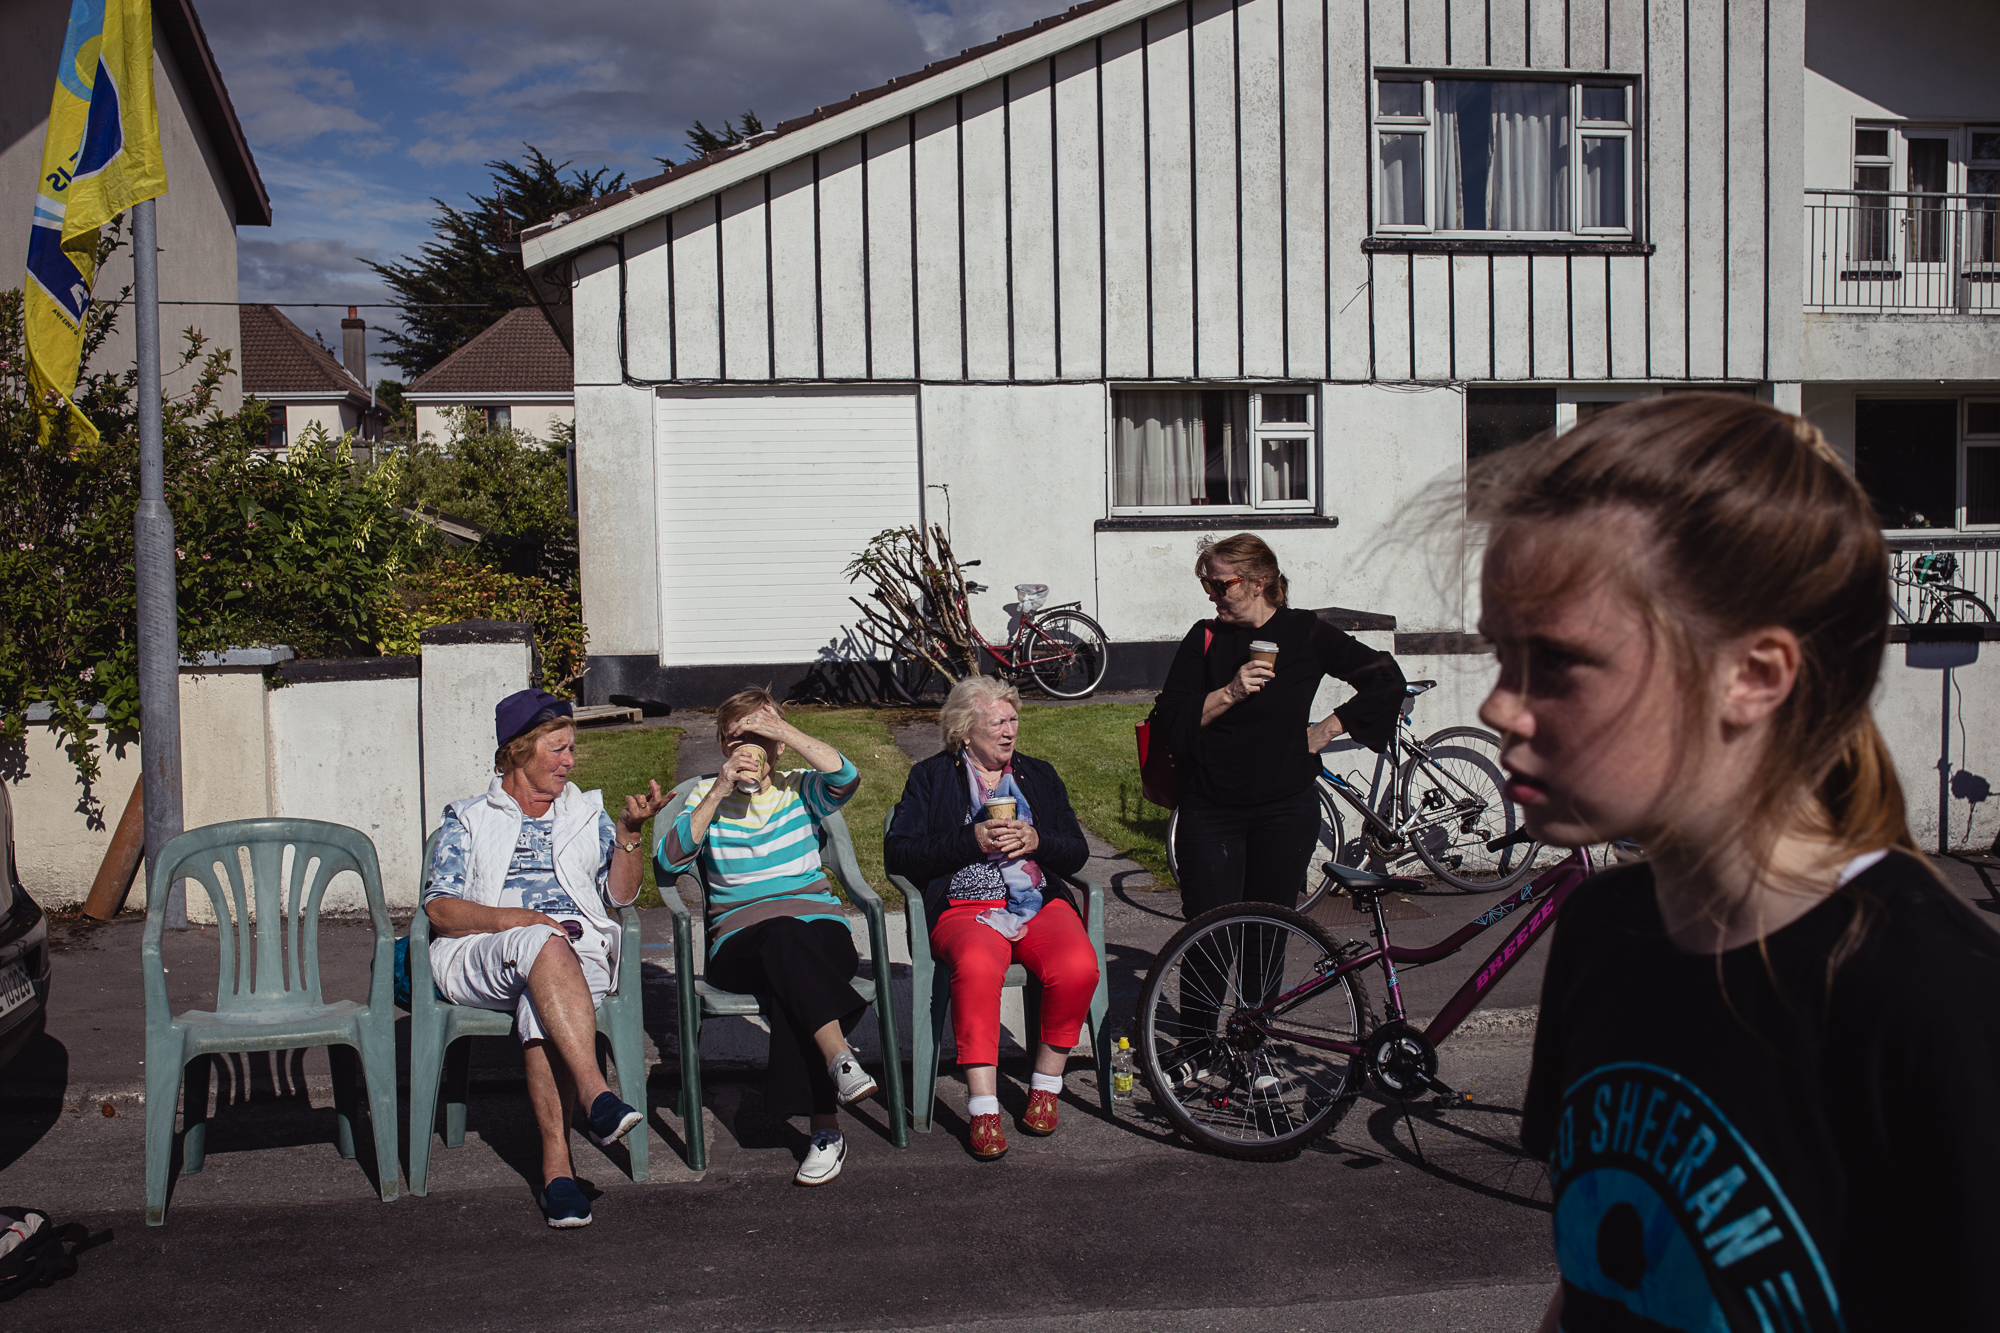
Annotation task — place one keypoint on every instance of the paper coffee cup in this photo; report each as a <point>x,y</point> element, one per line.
<point>1001,807</point>
<point>763,764</point>
<point>1263,650</point>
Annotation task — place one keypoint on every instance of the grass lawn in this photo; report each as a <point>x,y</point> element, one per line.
<point>860,734</point>
<point>1092,747</point>
<point>621,762</point>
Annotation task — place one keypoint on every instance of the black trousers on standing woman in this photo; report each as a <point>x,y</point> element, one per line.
<point>1233,854</point>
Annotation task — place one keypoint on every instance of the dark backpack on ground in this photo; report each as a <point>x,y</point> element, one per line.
<point>34,1252</point>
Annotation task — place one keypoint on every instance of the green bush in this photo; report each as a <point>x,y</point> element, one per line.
<point>453,590</point>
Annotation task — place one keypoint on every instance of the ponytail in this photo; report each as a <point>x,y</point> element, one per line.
<point>1862,795</point>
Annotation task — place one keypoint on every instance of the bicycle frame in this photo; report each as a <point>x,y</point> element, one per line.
<point>1390,759</point>
<point>1545,894</point>
<point>1003,655</point>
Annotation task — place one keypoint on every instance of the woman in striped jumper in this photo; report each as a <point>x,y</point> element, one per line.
<point>775,929</point>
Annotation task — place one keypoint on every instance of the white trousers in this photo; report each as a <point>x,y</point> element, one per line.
<point>491,972</point>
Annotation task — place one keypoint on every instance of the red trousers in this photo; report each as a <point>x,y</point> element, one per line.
<point>1054,948</point>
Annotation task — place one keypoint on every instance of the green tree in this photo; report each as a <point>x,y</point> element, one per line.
<point>501,479</point>
<point>701,140</point>
<point>470,274</point>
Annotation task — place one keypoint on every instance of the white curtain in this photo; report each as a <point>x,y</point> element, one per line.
<point>1503,155</point>
<point>1160,457</point>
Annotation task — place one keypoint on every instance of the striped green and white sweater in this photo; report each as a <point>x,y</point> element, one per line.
<point>761,856</point>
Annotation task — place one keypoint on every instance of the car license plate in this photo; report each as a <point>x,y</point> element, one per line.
<point>15,988</point>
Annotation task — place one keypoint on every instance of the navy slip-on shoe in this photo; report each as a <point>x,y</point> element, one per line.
<point>563,1203</point>
<point>610,1120</point>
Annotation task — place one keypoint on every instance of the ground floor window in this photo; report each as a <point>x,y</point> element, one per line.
<point>1929,462</point>
<point>1245,449</point>
<point>274,428</point>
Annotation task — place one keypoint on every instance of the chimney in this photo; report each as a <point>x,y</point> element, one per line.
<point>354,345</point>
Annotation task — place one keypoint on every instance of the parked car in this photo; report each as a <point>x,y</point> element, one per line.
<point>24,949</point>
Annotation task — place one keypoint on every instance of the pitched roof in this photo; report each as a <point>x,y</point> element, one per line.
<point>280,357</point>
<point>182,29</point>
<point>644,200</point>
<point>518,354</point>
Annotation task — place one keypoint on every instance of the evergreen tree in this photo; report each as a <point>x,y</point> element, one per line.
<point>470,275</point>
<point>701,140</point>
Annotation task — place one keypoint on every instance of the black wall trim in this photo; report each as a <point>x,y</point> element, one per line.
<point>1422,644</point>
<point>1353,622</point>
<point>315,670</point>
<point>1941,543</point>
<point>1952,633</point>
<point>1472,245</point>
<point>1217,522</point>
<point>480,631</point>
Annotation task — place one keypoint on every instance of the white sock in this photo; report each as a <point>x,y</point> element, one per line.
<point>1041,1082</point>
<point>983,1105</point>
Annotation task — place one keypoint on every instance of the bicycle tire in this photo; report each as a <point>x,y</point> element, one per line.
<point>1206,1081</point>
<point>1332,843</point>
<point>911,678</point>
<point>1079,673</point>
<point>1956,606</point>
<point>1437,779</point>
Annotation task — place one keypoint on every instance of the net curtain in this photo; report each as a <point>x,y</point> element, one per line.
<point>1165,456</point>
<point>1503,156</point>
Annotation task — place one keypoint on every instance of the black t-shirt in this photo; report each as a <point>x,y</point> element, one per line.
<point>1255,752</point>
<point>1743,1145</point>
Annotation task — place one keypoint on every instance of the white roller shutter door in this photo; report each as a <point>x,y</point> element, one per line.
<point>764,497</point>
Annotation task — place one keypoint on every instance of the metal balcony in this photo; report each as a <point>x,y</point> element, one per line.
<point>1902,253</point>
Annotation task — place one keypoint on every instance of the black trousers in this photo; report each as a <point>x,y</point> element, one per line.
<point>1227,855</point>
<point>803,973</point>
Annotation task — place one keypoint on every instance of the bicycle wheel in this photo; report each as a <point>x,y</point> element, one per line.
<point>1067,654</point>
<point>1451,803</point>
<point>1238,1078</point>
<point>1332,841</point>
<point>914,680</point>
<point>1956,606</point>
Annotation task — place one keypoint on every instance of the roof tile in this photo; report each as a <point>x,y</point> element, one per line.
<point>281,357</point>
<point>519,353</point>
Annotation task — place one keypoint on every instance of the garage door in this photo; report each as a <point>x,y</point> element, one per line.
<point>764,499</point>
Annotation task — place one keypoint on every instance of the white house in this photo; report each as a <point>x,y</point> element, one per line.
<point>515,373</point>
<point>1151,270</point>
<point>287,368</point>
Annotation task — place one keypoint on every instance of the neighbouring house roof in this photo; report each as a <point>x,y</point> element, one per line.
<point>280,358</point>
<point>182,28</point>
<point>519,353</point>
<point>676,187</point>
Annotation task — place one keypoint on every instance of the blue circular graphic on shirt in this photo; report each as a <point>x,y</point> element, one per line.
<point>1618,1240</point>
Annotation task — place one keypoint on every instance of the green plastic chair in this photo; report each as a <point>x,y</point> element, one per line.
<point>267,990</point>
<point>930,990</point>
<point>699,1000</point>
<point>436,1025</point>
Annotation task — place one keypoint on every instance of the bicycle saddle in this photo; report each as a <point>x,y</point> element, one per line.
<point>1417,687</point>
<point>1364,885</point>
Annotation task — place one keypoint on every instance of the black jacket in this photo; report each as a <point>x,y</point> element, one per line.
<point>929,840</point>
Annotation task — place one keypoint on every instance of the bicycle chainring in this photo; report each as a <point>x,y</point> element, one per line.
<point>1401,1060</point>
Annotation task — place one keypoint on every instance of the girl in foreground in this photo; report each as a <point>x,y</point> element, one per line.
<point>1767,1067</point>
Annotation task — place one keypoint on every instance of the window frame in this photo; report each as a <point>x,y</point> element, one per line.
<point>1966,441</point>
<point>1625,132</point>
<point>1315,461</point>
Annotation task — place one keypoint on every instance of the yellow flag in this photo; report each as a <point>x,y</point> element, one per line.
<point>101,157</point>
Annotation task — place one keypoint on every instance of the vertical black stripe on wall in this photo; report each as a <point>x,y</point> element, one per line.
<point>721,309</point>
<point>1492,327</point>
<point>867,283</point>
<point>1326,169</point>
<point>1531,317</point>
<point>1451,315</point>
<point>771,284</point>
<point>819,280</point>
<point>1367,175</point>
<point>1610,363</point>
<point>1728,124</point>
<point>1527,34</point>
<point>1406,32</point>
<point>1284,210</point>
<point>916,285</point>
<point>1447,32</point>
<point>1146,159</point>
<point>1103,228</point>
<point>1194,211</point>
<point>1569,26</point>
<point>964,344</point>
<point>1766,372</point>
<point>1055,219</point>
<point>1646,59</point>
<point>673,314</point>
<point>1410,292</point>
<point>1007,203</point>
<point>1569,313</point>
<point>1607,34</point>
<point>1236,117</point>
<point>1687,191</point>
<point>1489,33</point>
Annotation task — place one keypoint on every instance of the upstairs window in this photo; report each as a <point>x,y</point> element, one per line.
<point>1504,157</point>
<point>274,430</point>
<point>1246,451</point>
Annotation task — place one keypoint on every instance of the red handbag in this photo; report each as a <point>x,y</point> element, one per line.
<point>1159,777</point>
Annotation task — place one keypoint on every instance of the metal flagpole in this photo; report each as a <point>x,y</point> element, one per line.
<point>159,637</point>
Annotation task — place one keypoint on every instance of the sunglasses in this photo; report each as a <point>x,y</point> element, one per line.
<point>1217,587</point>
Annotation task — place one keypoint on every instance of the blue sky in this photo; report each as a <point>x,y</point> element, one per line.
<point>360,111</point>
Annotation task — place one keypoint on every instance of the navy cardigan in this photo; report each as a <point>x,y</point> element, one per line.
<point>929,840</point>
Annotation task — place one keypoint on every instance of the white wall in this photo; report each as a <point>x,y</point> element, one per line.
<point>1910,707</point>
<point>537,419</point>
<point>56,850</point>
<point>461,684</point>
<point>343,751</point>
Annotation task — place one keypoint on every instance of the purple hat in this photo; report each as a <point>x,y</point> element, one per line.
<point>523,711</point>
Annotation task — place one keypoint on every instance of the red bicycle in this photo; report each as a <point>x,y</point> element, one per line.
<point>1061,649</point>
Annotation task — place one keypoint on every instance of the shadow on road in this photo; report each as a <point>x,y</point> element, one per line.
<point>42,1065</point>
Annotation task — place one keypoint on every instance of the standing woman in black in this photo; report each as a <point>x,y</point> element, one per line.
<point>1241,730</point>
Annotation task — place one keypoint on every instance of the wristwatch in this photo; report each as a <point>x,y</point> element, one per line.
<point>631,846</point>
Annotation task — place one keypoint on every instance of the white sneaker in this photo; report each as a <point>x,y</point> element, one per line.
<point>1263,1083</point>
<point>851,1081</point>
<point>823,1159</point>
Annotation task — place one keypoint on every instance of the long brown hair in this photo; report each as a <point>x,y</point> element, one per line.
<point>1741,518</point>
<point>1253,558</point>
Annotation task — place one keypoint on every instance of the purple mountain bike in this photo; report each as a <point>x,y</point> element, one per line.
<point>1254,1028</point>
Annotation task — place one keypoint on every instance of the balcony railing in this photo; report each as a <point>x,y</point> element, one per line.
<point>1929,577</point>
<point>1902,253</point>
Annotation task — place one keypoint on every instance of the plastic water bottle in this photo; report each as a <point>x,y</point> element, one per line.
<point>1121,1071</point>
